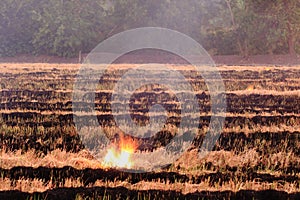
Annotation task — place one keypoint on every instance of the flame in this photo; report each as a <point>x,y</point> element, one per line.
<point>250,88</point>
<point>119,154</point>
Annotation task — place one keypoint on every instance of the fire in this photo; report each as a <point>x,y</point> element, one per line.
<point>250,88</point>
<point>119,154</point>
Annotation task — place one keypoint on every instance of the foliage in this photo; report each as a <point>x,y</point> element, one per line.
<point>66,27</point>
<point>15,27</point>
<point>265,26</point>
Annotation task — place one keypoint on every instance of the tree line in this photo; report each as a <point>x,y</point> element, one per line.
<point>223,27</point>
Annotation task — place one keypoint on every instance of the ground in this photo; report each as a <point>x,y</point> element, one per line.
<point>256,157</point>
<point>219,60</point>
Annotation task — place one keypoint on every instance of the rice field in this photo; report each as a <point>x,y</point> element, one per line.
<point>256,156</point>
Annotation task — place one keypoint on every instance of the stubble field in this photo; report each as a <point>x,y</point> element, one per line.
<point>257,155</point>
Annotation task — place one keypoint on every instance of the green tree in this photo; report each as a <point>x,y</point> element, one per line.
<point>15,27</point>
<point>289,14</point>
<point>265,26</point>
<point>67,27</point>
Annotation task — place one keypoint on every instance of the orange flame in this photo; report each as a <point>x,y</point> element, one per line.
<point>250,88</point>
<point>119,154</point>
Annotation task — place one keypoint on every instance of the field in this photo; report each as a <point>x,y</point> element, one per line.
<point>257,155</point>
